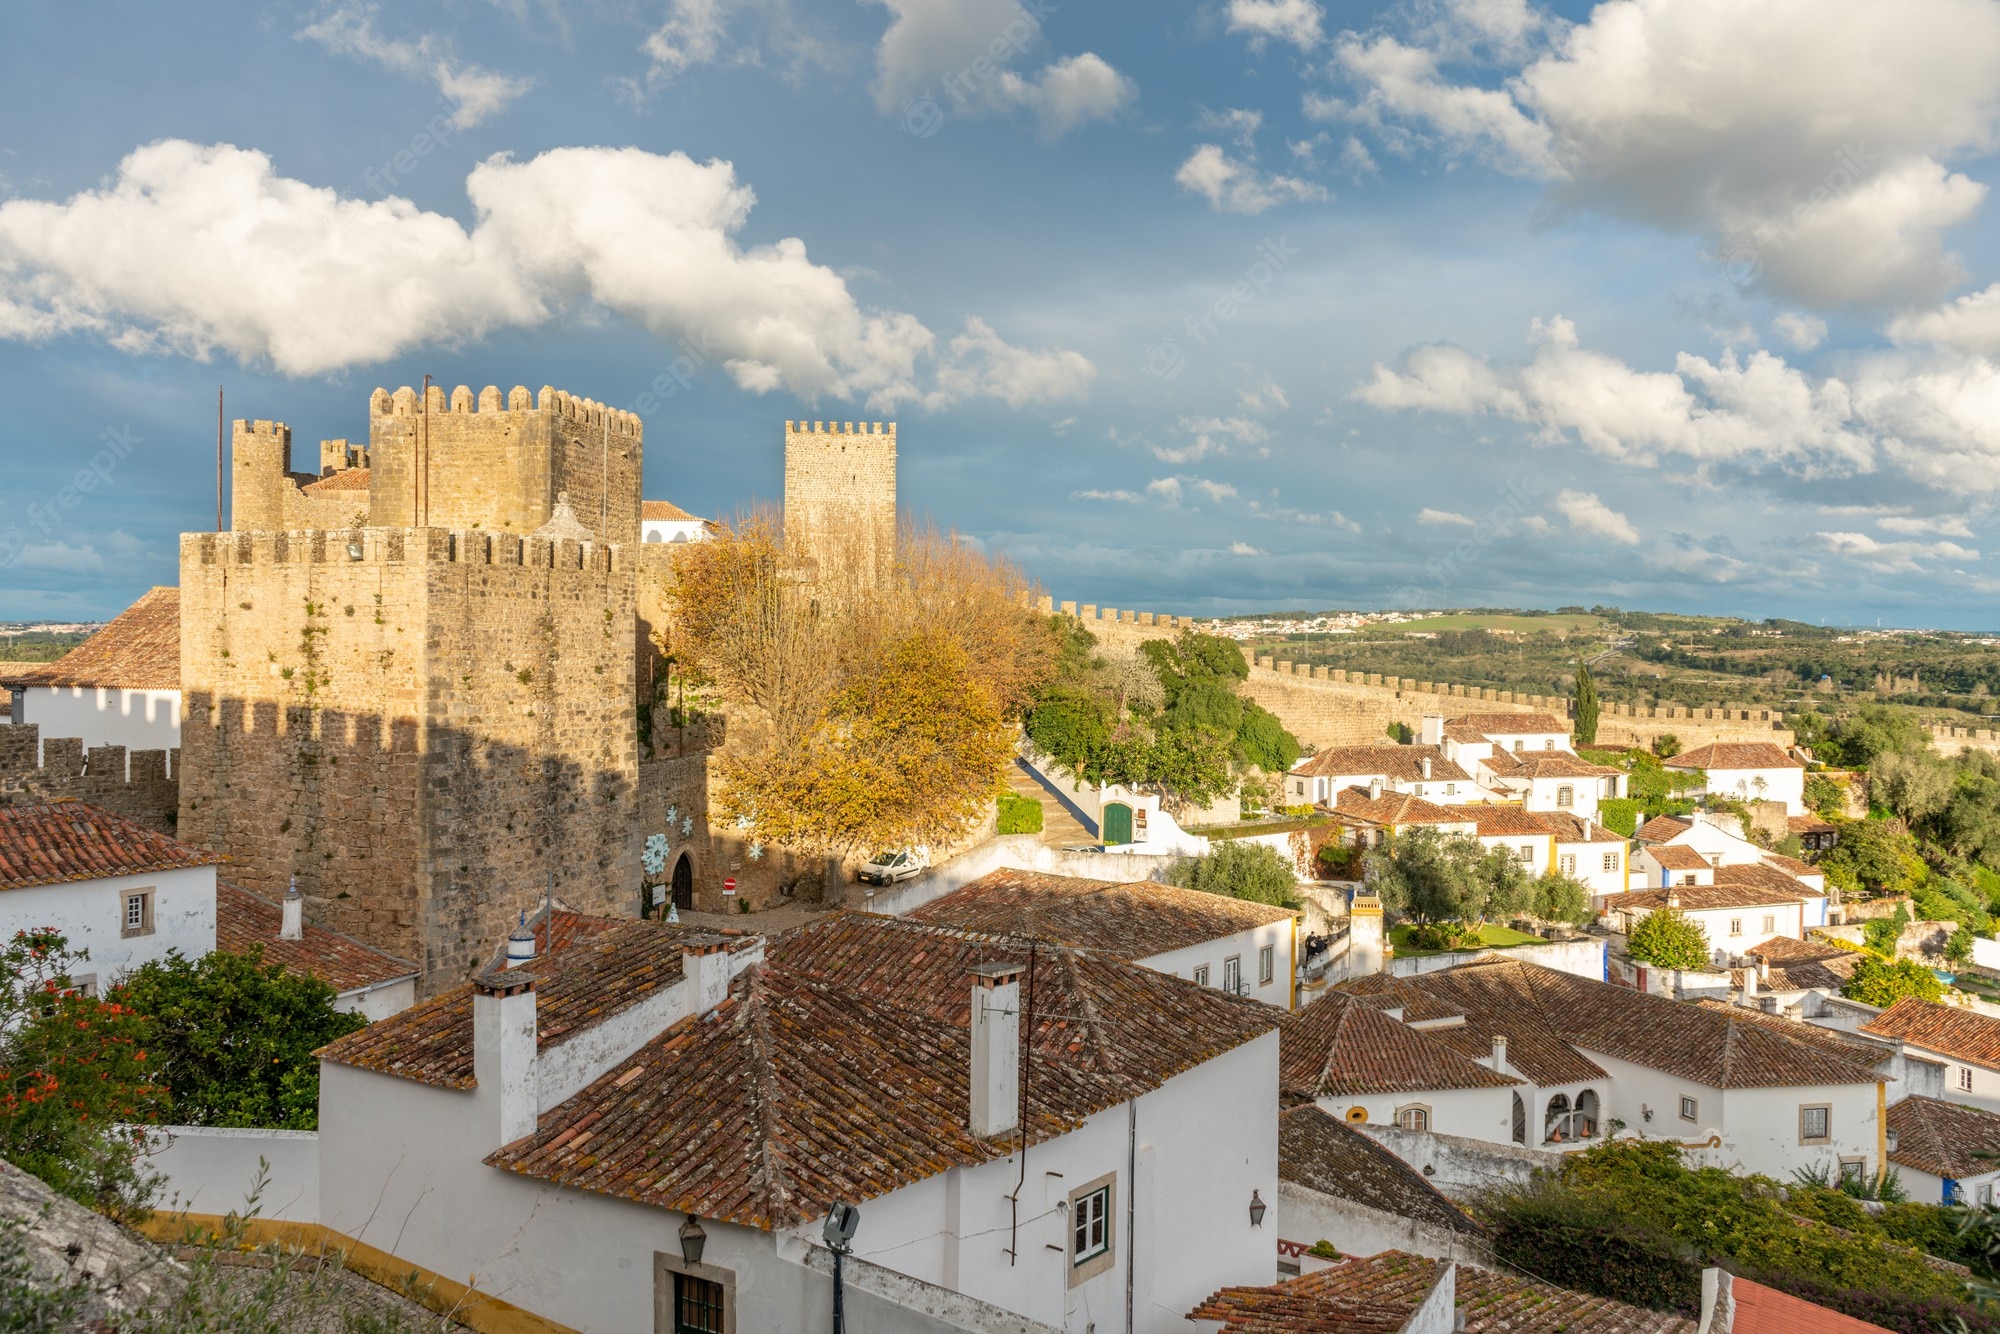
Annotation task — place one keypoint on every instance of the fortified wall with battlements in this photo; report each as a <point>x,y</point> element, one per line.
<point>840,493</point>
<point>1334,707</point>
<point>140,785</point>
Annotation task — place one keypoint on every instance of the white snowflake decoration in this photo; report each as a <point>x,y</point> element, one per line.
<point>756,852</point>
<point>673,814</point>
<point>742,822</point>
<point>654,857</point>
<point>687,826</point>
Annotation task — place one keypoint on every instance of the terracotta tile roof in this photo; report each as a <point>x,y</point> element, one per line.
<point>139,649</point>
<point>73,840</point>
<point>1791,866</point>
<point>1818,968</point>
<point>1941,1137</point>
<point>1557,764</point>
<point>1764,875</point>
<point>837,1069</point>
<point>1498,1002</point>
<point>1569,829</point>
<point>1808,824</point>
<point>244,920</point>
<point>1501,821</point>
<point>1319,1151</point>
<point>1120,921</point>
<point>1786,950</point>
<point>1762,1310</point>
<point>354,480</point>
<point>1341,1046</point>
<point>1843,1046</point>
<point>1391,809</point>
<point>1701,898</point>
<point>1510,724</point>
<point>1712,1047</point>
<point>612,969</point>
<point>665,511</point>
<point>1677,857</point>
<point>1386,991</point>
<point>1403,764</point>
<point>1961,1034</point>
<point>1662,829</point>
<point>1497,765</point>
<point>1734,755</point>
<point>1382,1292</point>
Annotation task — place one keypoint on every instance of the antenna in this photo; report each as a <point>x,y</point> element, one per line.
<point>218,458</point>
<point>421,489</point>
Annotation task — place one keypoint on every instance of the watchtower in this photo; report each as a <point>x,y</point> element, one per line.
<point>840,496</point>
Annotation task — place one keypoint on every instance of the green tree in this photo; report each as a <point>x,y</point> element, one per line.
<point>1915,784</point>
<point>1879,856</point>
<point>1586,706</point>
<point>1563,898</point>
<point>1072,726</point>
<point>76,1078</point>
<point>1666,745</point>
<point>235,1036</point>
<point>1262,740</point>
<point>1876,729</point>
<point>1824,796</point>
<point>1430,876</point>
<point>1883,982</point>
<point>1237,870</point>
<point>1666,938</point>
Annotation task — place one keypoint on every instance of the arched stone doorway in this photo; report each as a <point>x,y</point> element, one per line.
<point>684,882</point>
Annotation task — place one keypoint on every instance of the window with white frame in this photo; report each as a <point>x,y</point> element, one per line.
<point>1525,853</point>
<point>1267,964</point>
<point>1610,861</point>
<point>1451,789</point>
<point>1232,975</point>
<point>1690,1111</point>
<point>1566,796</point>
<point>1090,1226</point>
<point>136,913</point>
<point>1568,863</point>
<point>1736,926</point>
<point>1770,922</point>
<point>1520,746</point>
<point>1815,1124</point>
<point>1414,1117</point>
<point>1965,1078</point>
<point>1201,976</point>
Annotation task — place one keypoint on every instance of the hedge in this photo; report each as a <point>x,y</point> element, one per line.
<point>1020,815</point>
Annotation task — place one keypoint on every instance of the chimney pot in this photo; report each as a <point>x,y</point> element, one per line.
<point>1374,789</point>
<point>1673,898</point>
<point>292,925</point>
<point>705,967</point>
<point>996,1049</point>
<point>503,1050</point>
<point>1500,1053</point>
<point>1425,766</point>
<point>521,944</point>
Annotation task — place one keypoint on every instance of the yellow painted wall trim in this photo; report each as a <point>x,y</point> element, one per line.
<point>463,1303</point>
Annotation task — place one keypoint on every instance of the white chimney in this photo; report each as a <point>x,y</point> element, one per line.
<point>503,1050</point>
<point>705,970</point>
<point>996,1048</point>
<point>1500,1053</point>
<point>1425,766</point>
<point>1673,897</point>
<point>292,926</point>
<point>1764,971</point>
<point>1430,731</point>
<point>1374,789</point>
<point>521,944</point>
<point>1751,977</point>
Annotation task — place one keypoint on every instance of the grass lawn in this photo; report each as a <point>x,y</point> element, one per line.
<point>1490,936</point>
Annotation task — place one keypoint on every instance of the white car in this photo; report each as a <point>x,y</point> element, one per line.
<point>889,867</point>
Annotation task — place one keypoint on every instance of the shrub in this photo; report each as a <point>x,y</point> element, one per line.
<point>1666,745</point>
<point>1592,1246</point>
<point>1665,938</point>
<point>1883,982</point>
<point>1620,814</point>
<point>1020,815</point>
<point>1443,936</point>
<point>1253,871</point>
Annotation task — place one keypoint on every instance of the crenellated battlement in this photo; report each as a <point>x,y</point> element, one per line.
<point>247,430</point>
<point>839,428</point>
<point>397,546</point>
<point>461,400</point>
<point>142,785</point>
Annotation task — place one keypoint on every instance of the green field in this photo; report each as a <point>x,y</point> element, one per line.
<point>1494,937</point>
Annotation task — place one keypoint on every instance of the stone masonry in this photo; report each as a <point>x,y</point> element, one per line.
<point>840,492</point>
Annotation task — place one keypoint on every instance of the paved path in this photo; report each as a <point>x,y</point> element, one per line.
<point>1060,826</point>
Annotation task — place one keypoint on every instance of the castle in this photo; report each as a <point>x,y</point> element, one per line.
<point>414,682</point>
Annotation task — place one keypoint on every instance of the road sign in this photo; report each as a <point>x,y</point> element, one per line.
<point>729,885</point>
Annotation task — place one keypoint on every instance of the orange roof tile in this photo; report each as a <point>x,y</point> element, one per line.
<point>1318,1151</point>
<point>1403,764</point>
<point>1734,755</point>
<point>1342,1046</point>
<point>1941,1138</point>
<point>72,840</point>
<point>245,921</point>
<point>339,483</point>
<point>1120,921</point>
<point>139,649</point>
<point>665,511</point>
<point>1964,1035</point>
<point>1677,857</point>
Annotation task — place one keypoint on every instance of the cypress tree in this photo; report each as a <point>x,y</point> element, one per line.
<point>1586,705</point>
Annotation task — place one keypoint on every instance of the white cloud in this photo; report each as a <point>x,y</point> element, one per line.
<point>1294,21</point>
<point>1679,554</point>
<point>1806,140</point>
<point>1215,491</point>
<point>1343,522</point>
<point>1236,122</point>
<point>1211,435</point>
<point>961,53</point>
<point>1124,497</point>
<point>1245,549</point>
<point>1893,557</point>
<point>198,249</point>
<point>1969,324</point>
<point>732,33</point>
<point>1445,518</point>
<point>476,94</point>
<point>1234,185</point>
<point>1804,332</point>
<point>1356,159</point>
<point>1588,515</point>
<point>1266,396</point>
<point>1166,488</point>
<point>1537,525</point>
<point>1915,527</point>
<point>691,35</point>
<point>115,550</point>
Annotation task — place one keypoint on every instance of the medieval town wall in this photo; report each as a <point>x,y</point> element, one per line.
<point>141,785</point>
<point>840,492</point>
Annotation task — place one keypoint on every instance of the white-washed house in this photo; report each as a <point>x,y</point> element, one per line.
<point>120,687</point>
<point>1748,771</point>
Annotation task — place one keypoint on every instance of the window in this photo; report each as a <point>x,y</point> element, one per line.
<point>138,913</point>
<point>1853,1171</point>
<point>1201,976</point>
<point>1965,1077</point>
<point>1565,796</point>
<point>698,1305</point>
<point>1548,744</point>
<point>1982,1194</point>
<point>1520,746</point>
<point>1569,863</point>
<point>1736,926</point>
<point>1689,1111</point>
<point>1610,862</point>
<point>1092,1233</point>
<point>1267,964</point>
<point>1770,922</point>
<point>1413,1118</point>
<point>1815,1124</point>
<point>1525,853</point>
<point>1451,789</point>
<point>1520,1120</point>
<point>1232,975</point>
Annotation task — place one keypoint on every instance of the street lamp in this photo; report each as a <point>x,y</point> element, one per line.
<point>1257,1207</point>
<point>841,1222</point>
<point>692,1240</point>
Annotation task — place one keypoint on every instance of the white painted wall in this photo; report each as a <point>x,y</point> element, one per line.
<point>373,1003</point>
<point>1482,1114</point>
<point>1583,957</point>
<point>1924,1188</point>
<point>1590,863</point>
<point>672,530</point>
<point>1462,1168</point>
<point>105,716</point>
<point>1973,1085</point>
<point>1786,919</point>
<point>1786,785</point>
<point>1306,1217</point>
<point>1245,945</point>
<point>212,1171</point>
<point>91,914</point>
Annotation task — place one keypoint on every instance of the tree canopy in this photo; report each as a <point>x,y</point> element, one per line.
<point>1586,706</point>
<point>1883,982</point>
<point>1430,876</point>
<point>1667,938</point>
<point>1239,870</point>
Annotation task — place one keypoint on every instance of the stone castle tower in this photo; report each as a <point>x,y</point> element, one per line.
<point>402,693</point>
<point>840,494</point>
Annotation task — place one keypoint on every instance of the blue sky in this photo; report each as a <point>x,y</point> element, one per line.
<point>1679,304</point>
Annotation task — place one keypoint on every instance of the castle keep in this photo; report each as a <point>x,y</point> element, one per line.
<point>840,495</point>
<point>409,698</point>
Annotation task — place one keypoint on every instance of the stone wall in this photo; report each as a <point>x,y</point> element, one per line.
<point>1325,706</point>
<point>267,496</point>
<point>840,491</point>
<point>1952,740</point>
<point>143,785</point>
<point>422,737</point>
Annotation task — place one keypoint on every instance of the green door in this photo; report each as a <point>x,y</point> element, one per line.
<point>1117,823</point>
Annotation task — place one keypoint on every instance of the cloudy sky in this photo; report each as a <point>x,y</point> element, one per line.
<point>1677,304</point>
